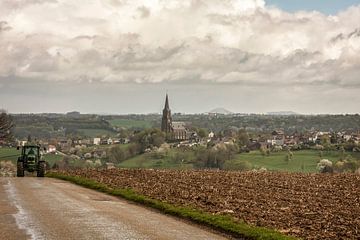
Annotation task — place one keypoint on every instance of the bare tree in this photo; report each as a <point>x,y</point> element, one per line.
<point>6,124</point>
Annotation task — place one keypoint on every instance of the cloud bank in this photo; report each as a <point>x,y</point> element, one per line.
<point>243,42</point>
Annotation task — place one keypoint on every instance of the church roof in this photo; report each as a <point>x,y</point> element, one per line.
<point>178,125</point>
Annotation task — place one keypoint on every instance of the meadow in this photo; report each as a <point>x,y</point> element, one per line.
<point>130,123</point>
<point>302,161</point>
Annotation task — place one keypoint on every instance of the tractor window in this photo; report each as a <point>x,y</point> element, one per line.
<point>31,151</point>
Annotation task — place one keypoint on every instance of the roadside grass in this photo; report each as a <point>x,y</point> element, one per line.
<point>223,223</point>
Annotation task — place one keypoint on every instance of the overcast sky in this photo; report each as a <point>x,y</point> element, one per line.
<point>122,56</point>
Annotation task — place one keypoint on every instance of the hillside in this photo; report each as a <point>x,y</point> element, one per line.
<point>220,111</point>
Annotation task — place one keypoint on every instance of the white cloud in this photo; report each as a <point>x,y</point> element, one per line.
<point>213,41</point>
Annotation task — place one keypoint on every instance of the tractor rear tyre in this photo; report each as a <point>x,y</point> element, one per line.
<point>20,169</point>
<point>41,170</point>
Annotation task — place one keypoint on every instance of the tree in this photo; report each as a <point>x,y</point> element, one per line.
<point>117,154</point>
<point>342,153</point>
<point>263,151</point>
<point>202,132</point>
<point>6,125</point>
<point>242,138</point>
<point>289,156</point>
<point>149,138</point>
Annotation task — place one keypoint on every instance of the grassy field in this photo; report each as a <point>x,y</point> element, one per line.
<point>96,132</point>
<point>9,154</point>
<point>303,161</point>
<point>128,123</point>
<point>166,160</point>
<point>12,154</point>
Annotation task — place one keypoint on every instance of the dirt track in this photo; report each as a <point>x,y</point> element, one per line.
<point>32,208</point>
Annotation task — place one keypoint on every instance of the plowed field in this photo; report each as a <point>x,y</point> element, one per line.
<point>310,206</point>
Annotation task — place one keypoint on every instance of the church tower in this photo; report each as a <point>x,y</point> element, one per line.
<point>166,123</point>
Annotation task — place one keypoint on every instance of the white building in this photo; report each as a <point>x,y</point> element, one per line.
<point>211,135</point>
<point>97,141</point>
<point>51,149</point>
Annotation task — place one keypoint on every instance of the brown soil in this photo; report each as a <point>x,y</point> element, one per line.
<point>310,206</point>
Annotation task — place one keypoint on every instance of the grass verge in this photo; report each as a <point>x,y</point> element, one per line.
<point>224,223</point>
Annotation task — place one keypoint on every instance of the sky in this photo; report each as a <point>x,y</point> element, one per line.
<point>324,6</point>
<point>123,56</point>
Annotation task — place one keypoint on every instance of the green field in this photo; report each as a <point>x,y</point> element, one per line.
<point>9,154</point>
<point>12,154</point>
<point>129,123</point>
<point>302,161</point>
<point>96,132</point>
<point>149,160</point>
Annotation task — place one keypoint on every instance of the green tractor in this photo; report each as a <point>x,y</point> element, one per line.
<point>31,161</point>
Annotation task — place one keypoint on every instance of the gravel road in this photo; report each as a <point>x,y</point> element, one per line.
<point>39,209</point>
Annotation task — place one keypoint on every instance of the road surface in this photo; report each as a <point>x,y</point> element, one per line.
<point>43,208</point>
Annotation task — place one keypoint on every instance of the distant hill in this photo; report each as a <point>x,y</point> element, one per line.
<point>283,113</point>
<point>220,111</point>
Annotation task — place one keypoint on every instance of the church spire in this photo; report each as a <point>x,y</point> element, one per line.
<point>166,123</point>
<point>167,103</point>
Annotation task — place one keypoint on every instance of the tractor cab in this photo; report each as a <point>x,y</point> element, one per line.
<point>31,161</point>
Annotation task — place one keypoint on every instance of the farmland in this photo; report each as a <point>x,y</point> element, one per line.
<point>130,123</point>
<point>303,161</point>
<point>310,206</point>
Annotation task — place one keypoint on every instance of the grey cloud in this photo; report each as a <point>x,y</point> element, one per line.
<point>4,26</point>
<point>12,5</point>
<point>258,47</point>
<point>144,12</point>
<point>342,36</point>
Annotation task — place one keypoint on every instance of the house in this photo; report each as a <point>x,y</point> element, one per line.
<point>64,144</point>
<point>211,135</point>
<point>277,138</point>
<point>51,149</point>
<point>96,141</point>
<point>104,141</point>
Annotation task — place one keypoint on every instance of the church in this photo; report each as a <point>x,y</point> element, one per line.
<point>176,130</point>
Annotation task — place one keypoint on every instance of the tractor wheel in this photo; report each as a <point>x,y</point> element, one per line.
<point>41,170</point>
<point>20,169</point>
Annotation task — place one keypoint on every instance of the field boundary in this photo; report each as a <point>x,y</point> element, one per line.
<point>222,223</point>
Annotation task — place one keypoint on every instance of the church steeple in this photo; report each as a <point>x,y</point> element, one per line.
<point>166,123</point>
<point>167,102</point>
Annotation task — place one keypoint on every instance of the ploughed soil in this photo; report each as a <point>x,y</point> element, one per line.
<point>310,206</point>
